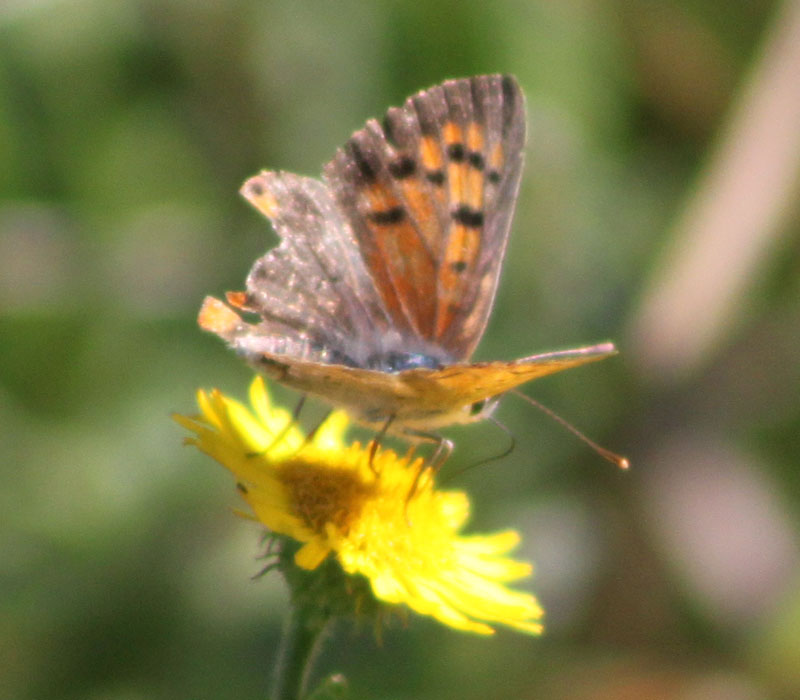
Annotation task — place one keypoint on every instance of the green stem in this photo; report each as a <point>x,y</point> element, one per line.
<point>299,645</point>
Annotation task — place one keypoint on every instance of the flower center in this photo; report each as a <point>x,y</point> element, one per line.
<point>321,496</point>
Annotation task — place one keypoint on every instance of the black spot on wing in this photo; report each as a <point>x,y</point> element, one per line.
<point>403,167</point>
<point>476,160</point>
<point>435,177</point>
<point>387,217</point>
<point>456,152</point>
<point>469,217</point>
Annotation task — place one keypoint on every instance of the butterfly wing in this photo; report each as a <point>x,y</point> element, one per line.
<point>312,292</point>
<point>368,395</point>
<point>416,399</point>
<point>429,196</point>
<point>462,385</point>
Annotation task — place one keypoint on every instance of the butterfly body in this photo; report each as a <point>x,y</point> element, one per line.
<point>386,272</point>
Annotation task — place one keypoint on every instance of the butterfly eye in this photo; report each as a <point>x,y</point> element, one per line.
<point>477,408</point>
<point>483,408</point>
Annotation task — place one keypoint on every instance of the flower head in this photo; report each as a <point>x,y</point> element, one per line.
<point>380,516</point>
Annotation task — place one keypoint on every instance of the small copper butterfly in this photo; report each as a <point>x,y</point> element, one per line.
<point>387,268</point>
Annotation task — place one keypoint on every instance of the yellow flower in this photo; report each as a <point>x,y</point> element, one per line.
<point>332,499</point>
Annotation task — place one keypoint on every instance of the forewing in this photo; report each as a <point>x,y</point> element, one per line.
<point>429,195</point>
<point>392,213</point>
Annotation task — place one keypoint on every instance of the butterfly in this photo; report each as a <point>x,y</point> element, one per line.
<point>387,268</point>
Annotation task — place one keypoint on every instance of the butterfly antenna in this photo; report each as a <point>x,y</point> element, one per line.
<point>613,457</point>
<point>511,447</point>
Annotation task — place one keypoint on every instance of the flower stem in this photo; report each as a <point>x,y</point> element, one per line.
<point>299,647</point>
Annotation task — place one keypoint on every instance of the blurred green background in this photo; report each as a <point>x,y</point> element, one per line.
<point>659,208</point>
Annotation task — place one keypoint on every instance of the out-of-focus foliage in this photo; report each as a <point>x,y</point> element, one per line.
<point>126,128</point>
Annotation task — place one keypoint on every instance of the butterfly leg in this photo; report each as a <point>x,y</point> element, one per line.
<point>295,416</point>
<point>313,431</point>
<point>376,441</point>
<point>442,452</point>
<point>285,429</point>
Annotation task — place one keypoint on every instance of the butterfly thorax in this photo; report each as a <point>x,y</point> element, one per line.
<point>400,361</point>
<point>390,352</point>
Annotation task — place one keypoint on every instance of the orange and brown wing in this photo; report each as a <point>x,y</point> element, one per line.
<point>429,195</point>
<point>482,140</point>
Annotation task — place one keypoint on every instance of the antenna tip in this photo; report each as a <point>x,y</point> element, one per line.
<point>614,458</point>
